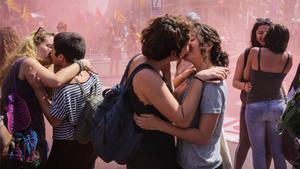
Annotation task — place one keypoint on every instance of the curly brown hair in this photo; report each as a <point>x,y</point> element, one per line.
<point>164,35</point>
<point>9,41</point>
<point>206,34</point>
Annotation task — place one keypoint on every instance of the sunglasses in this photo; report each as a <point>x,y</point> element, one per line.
<point>264,20</point>
<point>39,31</point>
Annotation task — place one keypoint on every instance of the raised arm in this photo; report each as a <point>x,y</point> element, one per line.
<point>161,98</point>
<point>184,75</point>
<point>211,108</point>
<point>47,77</point>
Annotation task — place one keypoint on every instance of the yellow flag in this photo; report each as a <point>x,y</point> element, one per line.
<point>119,17</point>
<point>25,14</point>
<point>12,5</point>
<point>142,2</point>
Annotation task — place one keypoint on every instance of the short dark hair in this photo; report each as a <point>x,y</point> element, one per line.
<point>70,44</point>
<point>277,38</point>
<point>259,22</point>
<point>165,34</point>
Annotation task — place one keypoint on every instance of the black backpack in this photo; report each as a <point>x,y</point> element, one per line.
<point>83,128</point>
<point>114,133</point>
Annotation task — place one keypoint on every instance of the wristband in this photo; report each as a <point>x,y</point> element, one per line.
<point>195,77</point>
<point>81,66</point>
<point>1,121</point>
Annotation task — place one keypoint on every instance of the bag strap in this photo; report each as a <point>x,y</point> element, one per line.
<point>125,75</point>
<point>140,67</point>
<point>93,86</point>
<point>258,59</point>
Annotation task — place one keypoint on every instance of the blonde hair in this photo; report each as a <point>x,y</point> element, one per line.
<point>28,48</point>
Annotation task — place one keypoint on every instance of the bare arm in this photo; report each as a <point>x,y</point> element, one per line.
<point>47,77</point>
<point>182,76</point>
<point>160,97</point>
<point>238,74</point>
<point>253,53</point>
<point>42,97</point>
<point>200,135</point>
<point>44,103</point>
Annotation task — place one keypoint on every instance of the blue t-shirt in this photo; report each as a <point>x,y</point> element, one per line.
<point>196,156</point>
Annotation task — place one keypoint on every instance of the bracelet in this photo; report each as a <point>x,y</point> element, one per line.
<point>81,66</point>
<point>195,77</point>
<point>1,121</point>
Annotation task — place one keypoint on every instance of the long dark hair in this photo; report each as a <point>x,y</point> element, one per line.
<point>259,22</point>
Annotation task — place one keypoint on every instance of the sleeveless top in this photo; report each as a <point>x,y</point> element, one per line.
<point>155,144</point>
<point>266,85</point>
<point>27,93</point>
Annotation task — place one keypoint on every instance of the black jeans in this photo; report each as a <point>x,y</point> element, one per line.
<point>220,167</point>
<point>69,154</point>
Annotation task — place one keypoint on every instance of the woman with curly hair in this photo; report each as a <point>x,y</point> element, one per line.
<point>199,140</point>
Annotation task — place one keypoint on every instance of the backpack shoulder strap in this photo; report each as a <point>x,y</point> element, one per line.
<point>125,75</point>
<point>81,87</point>
<point>93,86</point>
<point>135,71</point>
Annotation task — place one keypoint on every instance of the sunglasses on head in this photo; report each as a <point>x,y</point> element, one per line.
<point>264,20</point>
<point>38,31</point>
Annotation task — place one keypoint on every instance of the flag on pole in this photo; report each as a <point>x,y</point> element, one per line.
<point>25,14</point>
<point>12,5</point>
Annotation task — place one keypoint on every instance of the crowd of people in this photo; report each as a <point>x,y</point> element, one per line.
<point>181,116</point>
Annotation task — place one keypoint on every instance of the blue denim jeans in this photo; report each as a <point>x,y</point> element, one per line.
<point>262,117</point>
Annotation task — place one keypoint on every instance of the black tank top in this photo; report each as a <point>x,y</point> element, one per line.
<point>155,144</point>
<point>27,93</point>
<point>266,85</point>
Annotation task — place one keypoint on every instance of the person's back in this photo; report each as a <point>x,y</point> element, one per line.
<point>267,73</point>
<point>266,68</point>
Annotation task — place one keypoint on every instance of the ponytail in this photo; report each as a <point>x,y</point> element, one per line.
<point>219,57</point>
